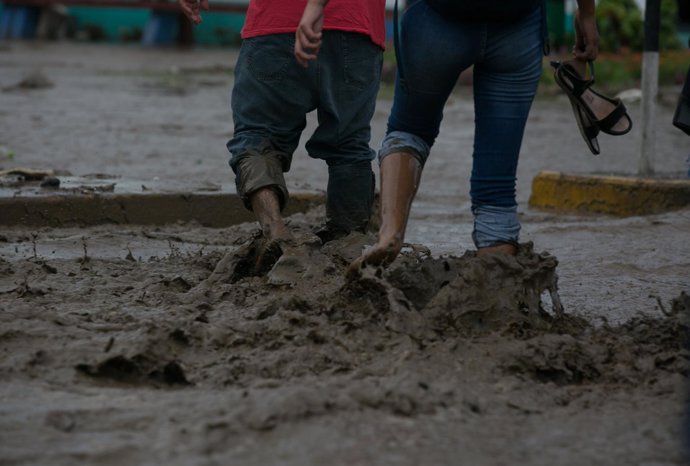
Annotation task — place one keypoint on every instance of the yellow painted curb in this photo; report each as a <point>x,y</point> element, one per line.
<point>614,195</point>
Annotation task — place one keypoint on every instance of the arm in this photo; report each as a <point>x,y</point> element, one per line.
<point>308,35</point>
<point>586,33</point>
<point>192,9</point>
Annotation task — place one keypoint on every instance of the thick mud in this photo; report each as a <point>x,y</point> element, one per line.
<point>211,356</point>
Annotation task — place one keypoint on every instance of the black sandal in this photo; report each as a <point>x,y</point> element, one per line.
<point>574,86</point>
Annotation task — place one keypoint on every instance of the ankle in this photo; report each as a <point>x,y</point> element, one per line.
<point>266,206</point>
<point>276,230</point>
<point>500,248</point>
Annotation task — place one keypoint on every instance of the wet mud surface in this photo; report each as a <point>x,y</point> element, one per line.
<point>199,356</point>
<point>181,345</point>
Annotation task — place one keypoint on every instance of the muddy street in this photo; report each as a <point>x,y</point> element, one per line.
<point>139,344</point>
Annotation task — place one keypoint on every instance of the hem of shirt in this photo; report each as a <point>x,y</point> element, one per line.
<point>291,30</point>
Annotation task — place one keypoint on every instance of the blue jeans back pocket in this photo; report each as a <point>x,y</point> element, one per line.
<point>268,57</point>
<point>362,61</point>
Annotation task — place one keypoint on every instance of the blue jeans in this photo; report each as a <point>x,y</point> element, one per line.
<point>507,61</point>
<point>273,93</point>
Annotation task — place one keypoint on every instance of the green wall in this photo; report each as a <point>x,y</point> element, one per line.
<point>119,23</point>
<point>219,28</point>
<point>114,22</point>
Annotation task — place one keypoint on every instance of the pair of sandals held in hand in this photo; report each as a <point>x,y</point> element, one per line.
<point>583,98</point>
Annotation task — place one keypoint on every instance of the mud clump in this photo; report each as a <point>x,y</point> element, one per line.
<point>637,352</point>
<point>474,295</point>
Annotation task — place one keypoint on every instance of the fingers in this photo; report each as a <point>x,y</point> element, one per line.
<point>308,35</point>
<point>588,50</point>
<point>590,53</point>
<point>190,8</point>
<point>307,45</point>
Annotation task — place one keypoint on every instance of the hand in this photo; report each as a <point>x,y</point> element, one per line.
<point>308,35</point>
<point>586,36</point>
<point>192,8</point>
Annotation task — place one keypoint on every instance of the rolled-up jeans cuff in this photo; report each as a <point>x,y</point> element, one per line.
<point>400,141</point>
<point>255,171</point>
<point>495,225</point>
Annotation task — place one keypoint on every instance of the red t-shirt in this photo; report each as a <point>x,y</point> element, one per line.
<point>282,16</point>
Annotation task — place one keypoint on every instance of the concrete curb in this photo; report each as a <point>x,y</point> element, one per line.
<point>211,210</point>
<point>613,195</point>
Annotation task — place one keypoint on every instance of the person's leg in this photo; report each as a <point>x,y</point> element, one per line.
<point>349,67</point>
<point>266,206</point>
<point>431,70</point>
<point>400,176</point>
<point>349,199</point>
<point>505,83</point>
<point>270,99</point>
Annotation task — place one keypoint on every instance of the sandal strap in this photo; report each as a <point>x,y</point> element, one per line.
<point>610,120</point>
<point>579,85</point>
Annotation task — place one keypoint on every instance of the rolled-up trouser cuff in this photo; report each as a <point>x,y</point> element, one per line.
<point>400,141</point>
<point>495,225</point>
<point>255,171</point>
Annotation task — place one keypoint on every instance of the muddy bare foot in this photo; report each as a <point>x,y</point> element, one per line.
<point>382,253</point>
<point>266,206</point>
<point>268,253</point>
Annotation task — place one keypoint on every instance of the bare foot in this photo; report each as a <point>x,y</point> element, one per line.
<point>268,253</point>
<point>266,207</point>
<point>382,253</point>
<point>275,236</point>
<point>502,248</point>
